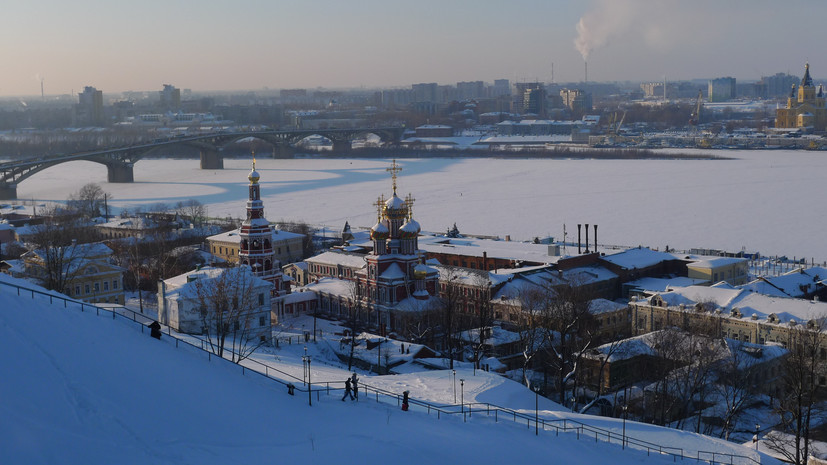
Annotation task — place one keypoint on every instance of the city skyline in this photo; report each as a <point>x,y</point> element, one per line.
<point>206,46</point>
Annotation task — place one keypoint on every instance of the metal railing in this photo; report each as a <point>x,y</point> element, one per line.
<point>467,410</point>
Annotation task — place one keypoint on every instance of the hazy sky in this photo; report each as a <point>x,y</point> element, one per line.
<point>250,44</point>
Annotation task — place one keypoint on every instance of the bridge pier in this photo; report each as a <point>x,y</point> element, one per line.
<point>283,151</point>
<point>8,191</point>
<point>212,160</point>
<point>119,172</point>
<point>342,145</point>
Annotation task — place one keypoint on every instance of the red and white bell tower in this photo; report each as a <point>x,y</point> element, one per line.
<point>256,247</point>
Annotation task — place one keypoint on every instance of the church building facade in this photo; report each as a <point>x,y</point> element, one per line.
<point>805,107</point>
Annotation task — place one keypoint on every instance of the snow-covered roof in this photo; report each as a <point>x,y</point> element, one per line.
<point>233,236</point>
<point>598,306</point>
<point>184,285</point>
<point>332,258</point>
<point>473,247</point>
<point>334,286</point>
<point>393,271</point>
<point>663,284</point>
<point>717,262</point>
<point>748,303</point>
<point>641,257</point>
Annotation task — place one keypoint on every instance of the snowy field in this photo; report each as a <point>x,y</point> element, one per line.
<point>84,389</point>
<point>765,201</point>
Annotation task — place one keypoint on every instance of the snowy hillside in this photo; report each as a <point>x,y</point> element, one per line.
<point>78,388</point>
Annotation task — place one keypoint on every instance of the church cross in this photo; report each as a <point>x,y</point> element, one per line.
<point>380,202</point>
<point>409,199</point>
<point>394,169</point>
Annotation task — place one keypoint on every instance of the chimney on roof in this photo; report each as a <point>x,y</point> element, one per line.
<point>578,239</point>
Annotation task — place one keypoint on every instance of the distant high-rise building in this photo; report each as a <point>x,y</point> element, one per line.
<point>89,110</point>
<point>528,96</point>
<point>426,92</point>
<point>576,99</point>
<point>805,108</point>
<point>470,90</point>
<point>170,97</point>
<point>501,87</point>
<point>721,89</point>
<point>777,85</point>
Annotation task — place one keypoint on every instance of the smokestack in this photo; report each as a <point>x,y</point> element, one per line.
<point>586,78</point>
<point>42,94</point>
<point>587,237</point>
<point>578,239</point>
<point>595,238</point>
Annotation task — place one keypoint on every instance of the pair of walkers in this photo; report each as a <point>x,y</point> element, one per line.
<point>351,388</point>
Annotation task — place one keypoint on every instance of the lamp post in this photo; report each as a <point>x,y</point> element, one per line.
<point>536,410</point>
<point>455,385</point>
<point>625,412</point>
<point>304,366</point>
<point>572,403</point>
<point>462,397</point>
<point>306,363</point>
<point>755,437</point>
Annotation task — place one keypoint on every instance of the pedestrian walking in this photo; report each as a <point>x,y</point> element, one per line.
<point>354,381</point>
<point>347,390</point>
<point>405,401</point>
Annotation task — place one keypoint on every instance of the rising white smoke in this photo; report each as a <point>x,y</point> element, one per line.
<point>605,20</point>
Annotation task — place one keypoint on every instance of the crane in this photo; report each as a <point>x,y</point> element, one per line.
<point>695,118</point>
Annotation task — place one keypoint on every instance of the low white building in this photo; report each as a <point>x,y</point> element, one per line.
<point>181,300</point>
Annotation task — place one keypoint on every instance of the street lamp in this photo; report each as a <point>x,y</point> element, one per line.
<point>306,363</point>
<point>625,414</point>
<point>462,397</point>
<point>536,410</point>
<point>755,438</point>
<point>455,385</point>
<point>573,399</point>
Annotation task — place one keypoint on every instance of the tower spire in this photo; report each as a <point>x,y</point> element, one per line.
<point>394,169</point>
<point>380,202</point>
<point>409,199</point>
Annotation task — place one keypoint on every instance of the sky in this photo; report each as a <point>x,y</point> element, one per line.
<point>210,45</point>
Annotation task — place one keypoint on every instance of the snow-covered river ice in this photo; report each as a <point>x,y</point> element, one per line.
<point>764,201</point>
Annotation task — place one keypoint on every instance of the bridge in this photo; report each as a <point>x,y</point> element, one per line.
<point>119,161</point>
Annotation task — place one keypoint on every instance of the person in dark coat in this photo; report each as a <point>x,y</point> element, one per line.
<point>354,381</point>
<point>347,390</point>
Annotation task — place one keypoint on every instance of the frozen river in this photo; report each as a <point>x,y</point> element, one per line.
<point>765,201</point>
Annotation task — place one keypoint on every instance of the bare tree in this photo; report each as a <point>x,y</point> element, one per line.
<point>450,295</point>
<point>606,353</point>
<point>354,318</point>
<point>56,257</point>
<point>568,319</point>
<point>484,316</point>
<point>532,336</point>
<point>232,307</point>
<point>90,201</point>
<point>192,210</point>
<point>735,384</point>
<point>803,380</point>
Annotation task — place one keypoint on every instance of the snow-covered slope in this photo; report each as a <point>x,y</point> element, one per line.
<point>84,389</point>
